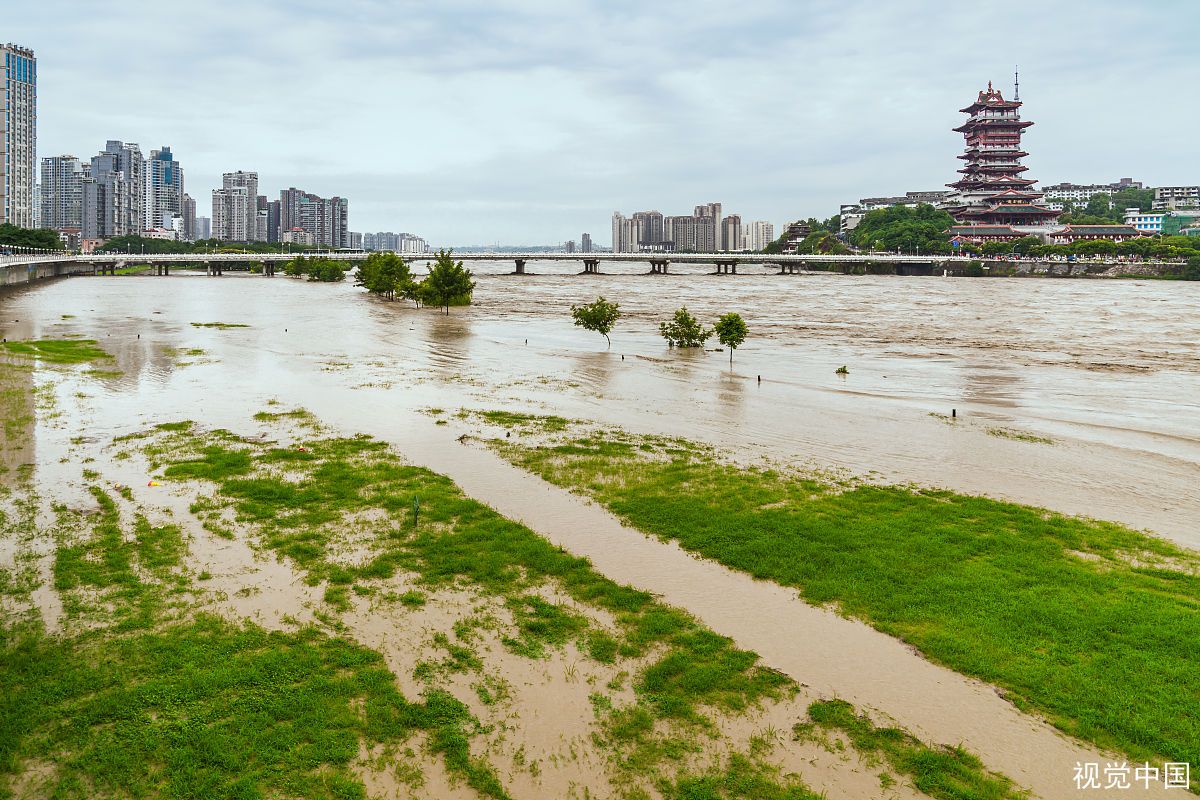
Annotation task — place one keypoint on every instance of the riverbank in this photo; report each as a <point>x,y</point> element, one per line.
<point>269,613</point>
<point>1059,612</point>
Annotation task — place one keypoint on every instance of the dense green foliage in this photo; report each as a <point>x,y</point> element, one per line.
<point>1101,209</point>
<point>599,316</point>
<point>448,283</point>
<point>385,274</point>
<point>1191,271</point>
<point>831,226</point>
<point>325,270</point>
<point>909,230</point>
<point>37,238</point>
<point>731,331</point>
<point>1088,623</point>
<point>822,242</point>
<point>945,773</point>
<point>684,330</point>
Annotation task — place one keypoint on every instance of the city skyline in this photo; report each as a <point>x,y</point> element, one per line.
<point>524,133</point>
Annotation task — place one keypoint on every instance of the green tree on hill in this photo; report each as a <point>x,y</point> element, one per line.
<point>448,283</point>
<point>906,229</point>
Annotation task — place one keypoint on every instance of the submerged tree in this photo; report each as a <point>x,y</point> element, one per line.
<point>296,266</point>
<point>326,270</point>
<point>448,283</point>
<point>599,316</point>
<point>684,330</point>
<point>731,331</point>
<point>385,274</point>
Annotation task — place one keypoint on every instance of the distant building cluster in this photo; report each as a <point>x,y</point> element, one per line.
<point>704,231</point>
<point>122,192</point>
<point>394,243</point>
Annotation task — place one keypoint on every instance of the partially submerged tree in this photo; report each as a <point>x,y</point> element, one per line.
<point>448,283</point>
<point>326,270</point>
<point>731,331</point>
<point>598,316</point>
<point>385,274</point>
<point>684,330</point>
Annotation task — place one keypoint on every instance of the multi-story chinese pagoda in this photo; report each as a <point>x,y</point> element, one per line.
<point>992,199</point>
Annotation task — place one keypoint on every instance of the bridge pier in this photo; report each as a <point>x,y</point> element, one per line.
<point>659,266</point>
<point>790,269</point>
<point>268,269</point>
<point>520,262</point>
<point>727,267</point>
<point>591,266</point>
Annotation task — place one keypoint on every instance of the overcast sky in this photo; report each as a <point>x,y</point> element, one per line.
<point>474,122</point>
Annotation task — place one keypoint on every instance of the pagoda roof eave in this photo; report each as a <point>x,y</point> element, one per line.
<point>992,104</point>
<point>973,124</point>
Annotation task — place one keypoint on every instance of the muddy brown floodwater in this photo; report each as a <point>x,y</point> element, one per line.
<point>1105,375</point>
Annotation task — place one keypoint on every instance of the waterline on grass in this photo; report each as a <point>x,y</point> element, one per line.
<point>815,647</point>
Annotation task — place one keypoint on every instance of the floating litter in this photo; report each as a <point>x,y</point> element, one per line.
<point>154,483</point>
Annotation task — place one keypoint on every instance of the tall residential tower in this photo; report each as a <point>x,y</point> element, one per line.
<point>164,189</point>
<point>18,135</point>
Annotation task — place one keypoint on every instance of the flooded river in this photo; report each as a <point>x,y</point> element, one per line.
<point>1082,396</point>
<point>1108,371</point>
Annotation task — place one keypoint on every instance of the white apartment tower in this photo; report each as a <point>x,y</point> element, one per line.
<point>164,189</point>
<point>18,135</point>
<point>244,229</point>
<point>234,212</point>
<point>62,193</point>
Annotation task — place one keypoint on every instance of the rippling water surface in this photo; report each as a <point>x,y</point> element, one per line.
<point>1107,370</point>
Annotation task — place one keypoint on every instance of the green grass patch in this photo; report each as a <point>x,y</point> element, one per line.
<point>1086,622</point>
<point>211,709</point>
<point>944,773</point>
<point>457,539</point>
<point>57,351</point>
<point>510,419</point>
<point>1019,436</point>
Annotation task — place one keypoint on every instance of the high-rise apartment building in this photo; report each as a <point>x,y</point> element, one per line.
<point>273,220</point>
<point>114,192</point>
<point>203,228</point>
<point>712,213</point>
<point>326,219</point>
<point>731,232</point>
<point>62,193</point>
<point>247,226</point>
<point>188,212</point>
<point>757,235</point>
<point>164,189</point>
<point>18,136</point>
<point>585,243</point>
<point>386,241</point>
<point>626,234</point>
<point>233,214</point>
<point>650,228</point>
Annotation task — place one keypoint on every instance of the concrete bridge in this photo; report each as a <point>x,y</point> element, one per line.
<point>16,269</point>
